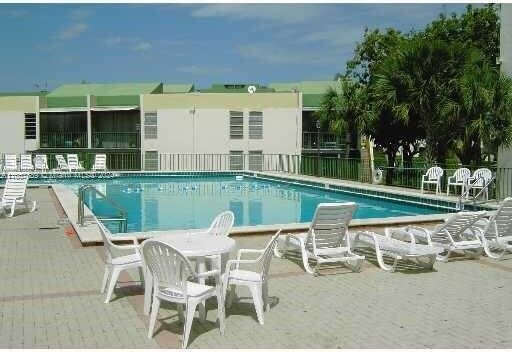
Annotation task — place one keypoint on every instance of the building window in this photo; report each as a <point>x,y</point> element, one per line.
<point>151,160</point>
<point>236,125</point>
<point>256,160</point>
<point>236,160</point>
<point>255,125</point>
<point>30,126</point>
<point>150,125</point>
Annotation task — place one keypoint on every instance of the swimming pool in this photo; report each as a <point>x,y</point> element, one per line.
<point>171,202</point>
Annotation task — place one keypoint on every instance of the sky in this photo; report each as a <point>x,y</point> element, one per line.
<point>54,44</point>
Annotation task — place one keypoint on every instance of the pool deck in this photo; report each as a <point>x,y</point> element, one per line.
<point>49,298</point>
<point>89,232</point>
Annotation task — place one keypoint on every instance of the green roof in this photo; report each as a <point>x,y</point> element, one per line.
<point>178,88</point>
<point>111,89</point>
<point>236,88</point>
<point>285,87</point>
<point>23,94</point>
<point>312,91</point>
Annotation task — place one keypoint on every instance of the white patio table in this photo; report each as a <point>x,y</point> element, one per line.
<point>195,246</point>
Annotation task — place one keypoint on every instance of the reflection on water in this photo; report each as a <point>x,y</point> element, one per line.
<point>162,203</point>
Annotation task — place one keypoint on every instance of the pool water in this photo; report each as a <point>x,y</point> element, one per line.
<point>164,203</point>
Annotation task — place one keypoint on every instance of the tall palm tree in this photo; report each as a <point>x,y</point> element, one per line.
<point>346,111</point>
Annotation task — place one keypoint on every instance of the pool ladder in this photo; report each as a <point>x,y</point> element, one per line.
<point>473,198</point>
<point>121,219</point>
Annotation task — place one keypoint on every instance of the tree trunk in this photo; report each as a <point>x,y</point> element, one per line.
<point>391,154</point>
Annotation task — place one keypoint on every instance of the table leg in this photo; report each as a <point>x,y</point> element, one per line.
<point>148,288</point>
<point>201,268</point>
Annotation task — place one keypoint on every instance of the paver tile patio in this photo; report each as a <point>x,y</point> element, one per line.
<point>49,298</point>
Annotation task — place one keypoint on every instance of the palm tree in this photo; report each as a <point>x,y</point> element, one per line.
<point>346,111</point>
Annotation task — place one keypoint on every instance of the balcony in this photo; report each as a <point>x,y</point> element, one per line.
<point>322,141</point>
<point>63,140</point>
<point>116,140</point>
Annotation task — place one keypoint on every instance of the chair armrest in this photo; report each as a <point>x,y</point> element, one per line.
<point>450,178</point>
<point>241,251</point>
<point>215,273</point>
<point>391,231</point>
<point>426,233</point>
<point>232,262</point>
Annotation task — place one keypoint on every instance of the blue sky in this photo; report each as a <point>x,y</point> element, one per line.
<point>189,43</point>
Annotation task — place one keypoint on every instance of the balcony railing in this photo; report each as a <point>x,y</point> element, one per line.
<point>322,140</point>
<point>116,140</point>
<point>63,140</point>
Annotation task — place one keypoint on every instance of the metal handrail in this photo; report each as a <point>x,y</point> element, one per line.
<point>81,207</point>
<point>485,185</point>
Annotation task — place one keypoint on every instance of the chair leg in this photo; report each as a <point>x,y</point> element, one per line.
<point>221,314</point>
<point>191,309</point>
<point>305,258</point>
<point>105,278</point>
<point>266,304</point>
<point>141,275</point>
<point>257,299</point>
<point>154,315</point>
<point>112,284</point>
<point>230,296</point>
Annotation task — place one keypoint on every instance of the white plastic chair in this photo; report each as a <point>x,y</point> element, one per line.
<point>26,162</point>
<point>393,245</point>
<point>40,162</point>
<point>220,226</point>
<point>62,165</point>
<point>497,231</point>
<point>459,178</point>
<point>10,162</point>
<point>432,176</point>
<point>327,239</point>
<point>115,264</point>
<point>15,193</point>
<point>256,281</point>
<point>100,162</point>
<point>173,281</point>
<point>480,180</point>
<point>74,163</point>
<point>457,233</point>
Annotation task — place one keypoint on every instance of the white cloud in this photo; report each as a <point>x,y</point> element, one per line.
<point>18,13</point>
<point>72,31</point>
<point>80,14</point>
<point>282,54</point>
<point>336,37</point>
<point>277,13</point>
<point>203,70</point>
<point>142,47</point>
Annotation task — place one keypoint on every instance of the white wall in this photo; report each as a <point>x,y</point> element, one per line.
<point>206,131</point>
<point>12,132</point>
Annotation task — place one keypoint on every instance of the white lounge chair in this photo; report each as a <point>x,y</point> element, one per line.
<point>459,178</point>
<point>480,180</point>
<point>15,193</point>
<point>10,163</point>
<point>100,162</point>
<point>393,245</point>
<point>26,162</point>
<point>62,165</point>
<point>327,239</point>
<point>174,281</point>
<point>432,176</point>
<point>74,163</point>
<point>457,233</point>
<point>114,265</point>
<point>256,281</point>
<point>40,162</point>
<point>497,231</point>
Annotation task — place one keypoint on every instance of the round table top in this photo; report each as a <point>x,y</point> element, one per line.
<point>198,244</point>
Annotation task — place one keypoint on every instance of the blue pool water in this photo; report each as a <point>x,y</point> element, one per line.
<point>163,203</point>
